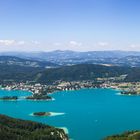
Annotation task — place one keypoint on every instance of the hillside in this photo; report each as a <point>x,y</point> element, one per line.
<point>121,58</point>
<point>132,135</point>
<point>52,61</point>
<point>83,72</point>
<point>17,73</point>
<point>12,60</point>
<point>16,129</point>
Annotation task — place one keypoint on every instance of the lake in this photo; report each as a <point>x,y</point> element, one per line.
<point>88,114</point>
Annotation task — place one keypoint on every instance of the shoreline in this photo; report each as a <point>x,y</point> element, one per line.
<point>54,92</point>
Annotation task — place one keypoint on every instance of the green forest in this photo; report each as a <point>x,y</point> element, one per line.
<point>16,73</point>
<point>16,129</point>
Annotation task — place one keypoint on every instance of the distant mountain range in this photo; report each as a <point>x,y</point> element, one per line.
<point>55,58</point>
<point>13,60</point>
<point>68,65</point>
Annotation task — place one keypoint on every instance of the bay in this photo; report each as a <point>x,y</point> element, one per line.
<point>88,114</point>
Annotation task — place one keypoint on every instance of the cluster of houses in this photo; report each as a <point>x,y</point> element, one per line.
<point>39,89</point>
<point>34,88</point>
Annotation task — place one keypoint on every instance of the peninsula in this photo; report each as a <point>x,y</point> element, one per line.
<point>130,135</point>
<point>28,130</point>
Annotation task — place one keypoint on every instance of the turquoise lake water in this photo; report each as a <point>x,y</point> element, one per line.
<point>90,114</point>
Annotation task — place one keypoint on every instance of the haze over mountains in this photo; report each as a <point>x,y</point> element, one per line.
<point>55,58</point>
<point>13,60</point>
<point>48,67</point>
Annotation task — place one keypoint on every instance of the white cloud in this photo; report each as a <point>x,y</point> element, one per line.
<point>133,46</point>
<point>35,42</point>
<point>7,42</point>
<point>18,42</point>
<point>57,44</point>
<point>103,44</point>
<point>74,43</point>
<point>21,43</point>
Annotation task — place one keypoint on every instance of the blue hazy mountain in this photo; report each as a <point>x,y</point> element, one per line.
<point>127,58</point>
<point>13,60</point>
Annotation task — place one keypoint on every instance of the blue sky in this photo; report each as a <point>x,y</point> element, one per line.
<point>80,25</point>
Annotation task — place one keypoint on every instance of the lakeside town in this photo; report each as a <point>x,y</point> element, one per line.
<point>40,91</point>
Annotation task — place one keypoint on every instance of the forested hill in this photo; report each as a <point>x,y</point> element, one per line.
<point>15,129</point>
<point>130,135</point>
<point>89,72</point>
<point>83,72</point>
<point>69,73</point>
<point>18,73</point>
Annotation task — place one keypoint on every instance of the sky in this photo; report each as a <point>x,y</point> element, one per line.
<point>78,25</point>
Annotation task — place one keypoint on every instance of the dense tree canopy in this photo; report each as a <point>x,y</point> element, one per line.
<point>15,129</point>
